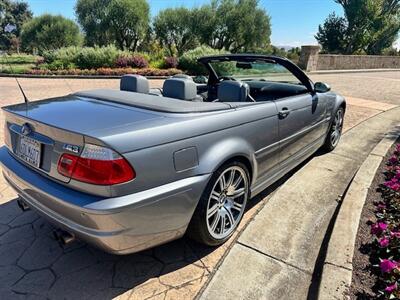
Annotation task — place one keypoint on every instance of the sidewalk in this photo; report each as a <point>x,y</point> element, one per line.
<point>276,254</point>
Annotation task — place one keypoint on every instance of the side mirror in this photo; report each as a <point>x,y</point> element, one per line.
<point>321,87</point>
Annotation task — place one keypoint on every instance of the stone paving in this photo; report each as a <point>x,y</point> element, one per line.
<point>33,265</point>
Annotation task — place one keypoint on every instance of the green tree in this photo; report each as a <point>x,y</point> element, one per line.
<point>175,29</point>
<point>12,16</point>
<point>49,32</point>
<point>368,26</point>
<point>129,22</point>
<point>93,16</point>
<point>233,25</point>
<point>331,35</point>
<point>121,22</point>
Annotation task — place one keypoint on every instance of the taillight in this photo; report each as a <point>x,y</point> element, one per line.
<point>96,165</point>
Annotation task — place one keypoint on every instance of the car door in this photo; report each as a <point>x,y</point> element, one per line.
<point>301,125</point>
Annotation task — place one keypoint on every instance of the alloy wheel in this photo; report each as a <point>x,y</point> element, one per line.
<point>227,202</point>
<point>337,126</point>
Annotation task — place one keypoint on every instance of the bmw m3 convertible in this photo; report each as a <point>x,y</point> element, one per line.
<point>132,168</point>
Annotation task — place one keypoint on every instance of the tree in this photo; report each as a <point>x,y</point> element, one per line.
<point>175,29</point>
<point>48,32</point>
<point>368,26</point>
<point>233,25</point>
<point>331,35</point>
<point>93,16</point>
<point>12,16</point>
<point>129,22</point>
<point>121,22</point>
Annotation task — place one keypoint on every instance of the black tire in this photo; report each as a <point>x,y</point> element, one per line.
<point>199,225</point>
<point>335,129</point>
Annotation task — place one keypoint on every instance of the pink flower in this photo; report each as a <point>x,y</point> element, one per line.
<point>383,242</point>
<point>378,228</point>
<point>393,160</point>
<point>395,234</point>
<point>387,265</point>
<point>393,184</point>
<point>391,288</point>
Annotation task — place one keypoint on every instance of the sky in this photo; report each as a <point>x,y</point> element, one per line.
<point>294,22</point>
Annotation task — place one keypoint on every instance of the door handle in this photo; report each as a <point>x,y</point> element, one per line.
<point>283,113</point>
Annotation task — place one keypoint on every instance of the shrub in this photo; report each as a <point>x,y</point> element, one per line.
<point>138,61</point>
<point>97,57</point>
<point>106,71</point>
<point>188,61</point>
<point>134,61</point>
<point>122,61</point>
<point>66,55</point>
<point>84,58</point>
<point>170,62</point>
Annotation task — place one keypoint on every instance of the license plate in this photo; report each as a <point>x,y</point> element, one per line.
<point>29,150</point>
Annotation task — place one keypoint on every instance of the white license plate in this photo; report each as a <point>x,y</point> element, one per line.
<point>29,150</point>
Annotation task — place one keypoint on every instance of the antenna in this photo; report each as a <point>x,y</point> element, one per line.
<point>9,28</point>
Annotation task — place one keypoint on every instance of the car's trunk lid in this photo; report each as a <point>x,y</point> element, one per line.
<point>61,125</point>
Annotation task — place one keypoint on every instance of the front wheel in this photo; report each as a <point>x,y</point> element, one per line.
<point>221,206</point>
<point>335,131</point>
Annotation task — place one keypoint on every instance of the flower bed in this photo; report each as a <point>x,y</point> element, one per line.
<point>107,71</point>
<point>376,265</point>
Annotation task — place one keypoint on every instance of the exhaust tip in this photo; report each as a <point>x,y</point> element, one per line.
<point>63,237</point>
<point>22,205</point>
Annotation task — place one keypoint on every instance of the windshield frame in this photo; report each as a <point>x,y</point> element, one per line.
<point>287,64</point>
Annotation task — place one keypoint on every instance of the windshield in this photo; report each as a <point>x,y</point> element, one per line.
<point>255,70</point>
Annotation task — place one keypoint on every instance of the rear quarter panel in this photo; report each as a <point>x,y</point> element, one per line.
<point>216,138</point>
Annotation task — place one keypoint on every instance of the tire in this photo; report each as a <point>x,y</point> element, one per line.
<point>335,131</point>
<point>224,202</point>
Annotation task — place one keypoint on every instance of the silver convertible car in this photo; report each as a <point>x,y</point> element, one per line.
<point>133,168</point>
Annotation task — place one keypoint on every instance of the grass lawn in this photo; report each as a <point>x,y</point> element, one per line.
<point>17,63</point>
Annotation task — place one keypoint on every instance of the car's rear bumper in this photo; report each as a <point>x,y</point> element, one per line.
<point>119,225</point>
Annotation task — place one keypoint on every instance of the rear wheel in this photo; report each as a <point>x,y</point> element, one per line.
<point>222,205</point>
<point>335,131</point>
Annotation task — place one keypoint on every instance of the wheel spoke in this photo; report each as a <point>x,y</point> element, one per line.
<point>237,206</point>
<point>211,211</point>
<point>231,178</point>
<point>215,195</point>
<point>215,222</point>
<point>237,182</point>
<point>238,193</point>
<point>222,182</point>
<point>223,223</point>
<point>229,214</point>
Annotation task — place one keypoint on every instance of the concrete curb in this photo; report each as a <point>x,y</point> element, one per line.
<point>337,268</point>
<point>321,72</point>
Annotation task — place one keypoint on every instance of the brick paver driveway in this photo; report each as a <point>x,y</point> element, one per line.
<point>33,264</point>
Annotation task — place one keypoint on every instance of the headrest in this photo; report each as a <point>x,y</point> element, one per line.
<point>134,83</point>
<point>233,91</point>
<point>179,88</point>
<point>183,76</point>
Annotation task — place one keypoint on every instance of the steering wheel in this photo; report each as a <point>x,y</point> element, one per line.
<point>223,78</point>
